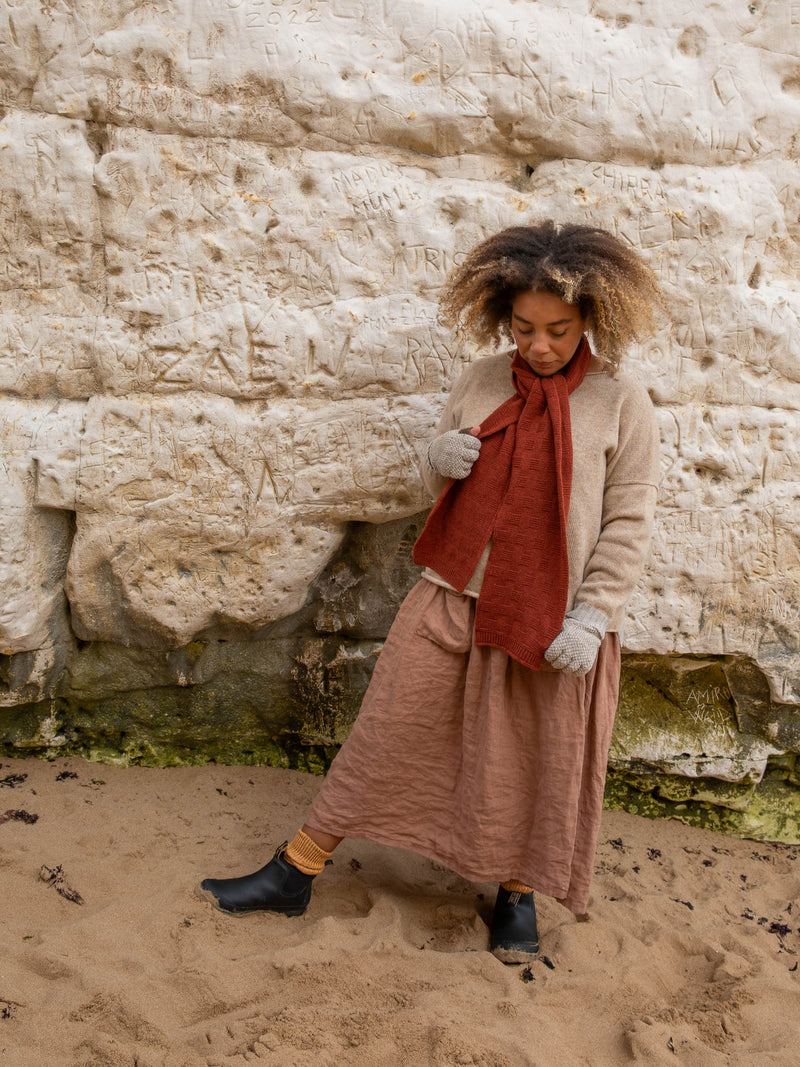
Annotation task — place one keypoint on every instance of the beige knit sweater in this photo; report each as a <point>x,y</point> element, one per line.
<point>614,483</point>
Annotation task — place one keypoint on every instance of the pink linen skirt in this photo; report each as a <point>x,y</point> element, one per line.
<point>465,756</point>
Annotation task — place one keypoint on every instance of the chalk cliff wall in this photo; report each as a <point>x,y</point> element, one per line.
<point>225,224</point>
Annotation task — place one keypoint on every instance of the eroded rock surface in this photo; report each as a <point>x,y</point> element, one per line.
<point>225,227</point>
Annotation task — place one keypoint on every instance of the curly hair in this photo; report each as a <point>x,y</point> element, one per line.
<point>615,291</point>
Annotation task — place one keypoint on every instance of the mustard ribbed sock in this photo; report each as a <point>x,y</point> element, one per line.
<point>305,854</point>
<point>516,887</point>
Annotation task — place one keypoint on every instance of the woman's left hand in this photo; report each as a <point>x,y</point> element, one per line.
<point>575,649</point>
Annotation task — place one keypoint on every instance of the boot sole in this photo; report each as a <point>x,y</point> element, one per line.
<point>514,954</point>
<point>208,896</point>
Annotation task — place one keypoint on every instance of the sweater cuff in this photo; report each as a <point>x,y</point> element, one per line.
<point>592,618</point>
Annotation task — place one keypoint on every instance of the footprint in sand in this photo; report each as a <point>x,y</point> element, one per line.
<point>47,966</point>
<point>254,1038</point>
<point>596,944</point>
<point>111,1022</point>
<point>655,1042</point>
<point>457,929</point>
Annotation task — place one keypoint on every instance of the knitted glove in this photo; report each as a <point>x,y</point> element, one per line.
<point>575,648</point>
<point>453,454</point>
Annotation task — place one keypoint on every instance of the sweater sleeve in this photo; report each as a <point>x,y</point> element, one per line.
<point>629,501</point>
<point>433,481</point>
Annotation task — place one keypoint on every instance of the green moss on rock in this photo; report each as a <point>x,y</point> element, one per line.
<point>772,812</point>
<point>677,715</point>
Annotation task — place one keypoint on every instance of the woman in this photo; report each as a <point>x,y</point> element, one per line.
<point>483,738</point>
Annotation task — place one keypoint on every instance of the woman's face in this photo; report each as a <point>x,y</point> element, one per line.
<point>547,330</point>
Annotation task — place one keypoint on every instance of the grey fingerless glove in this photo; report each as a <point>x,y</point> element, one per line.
<point>575,648</point>
<point>453,454</point>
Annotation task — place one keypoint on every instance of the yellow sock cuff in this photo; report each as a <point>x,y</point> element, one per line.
<point>305,854</point>
<point>516,887</point>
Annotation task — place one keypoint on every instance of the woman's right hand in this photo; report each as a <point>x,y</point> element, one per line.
<point>453,454</point>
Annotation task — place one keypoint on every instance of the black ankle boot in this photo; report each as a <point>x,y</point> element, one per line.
<point>277,887</point>
<point>514,937</point>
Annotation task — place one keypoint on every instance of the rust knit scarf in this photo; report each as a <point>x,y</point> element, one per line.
<point>517,494</point>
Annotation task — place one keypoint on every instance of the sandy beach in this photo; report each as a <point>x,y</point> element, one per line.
<point>689,954</point>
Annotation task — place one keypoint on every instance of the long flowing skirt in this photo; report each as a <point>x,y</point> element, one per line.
<point>465,756</point>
